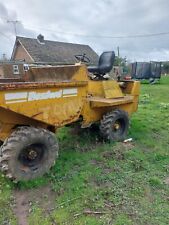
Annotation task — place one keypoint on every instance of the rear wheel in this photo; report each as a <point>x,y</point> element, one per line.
<point>114,125</point>
<point>28,153</point>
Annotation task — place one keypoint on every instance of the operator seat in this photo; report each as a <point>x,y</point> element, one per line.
<point>106,61</point>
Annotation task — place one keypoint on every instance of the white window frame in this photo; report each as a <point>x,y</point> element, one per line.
<point>15,69</point>
<point>26,67</point>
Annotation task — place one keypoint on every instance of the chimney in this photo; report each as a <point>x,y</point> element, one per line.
<point>40,39</point>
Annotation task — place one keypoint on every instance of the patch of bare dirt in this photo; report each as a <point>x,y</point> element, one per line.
<point>97,163</point>
<point>118,151</point>
<point>128,145</point>
<point>102,165</point>
<point>149,195</point>
<point>166,181</point>
<point>44,197</point>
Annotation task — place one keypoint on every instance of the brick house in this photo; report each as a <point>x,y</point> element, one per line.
<point>40,51</point>
<point>10,69</point>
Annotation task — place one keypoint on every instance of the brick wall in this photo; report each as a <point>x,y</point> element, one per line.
<point>21,54</point>
<point>6,71</point>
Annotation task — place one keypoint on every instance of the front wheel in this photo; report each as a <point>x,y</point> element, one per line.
<point>28,153</point>
<point>114,125</point>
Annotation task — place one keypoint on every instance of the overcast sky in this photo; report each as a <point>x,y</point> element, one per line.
<point>88,22</point>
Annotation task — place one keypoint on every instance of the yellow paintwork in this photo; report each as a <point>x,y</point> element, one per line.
<point>111,89</point>
<point>55,104</point>
<point>102,102</point>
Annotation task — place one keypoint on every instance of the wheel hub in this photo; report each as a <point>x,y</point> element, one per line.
<point>32,154</point>
<point>116,126</point>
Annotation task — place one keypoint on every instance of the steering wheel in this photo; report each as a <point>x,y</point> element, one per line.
<point>82,58</point>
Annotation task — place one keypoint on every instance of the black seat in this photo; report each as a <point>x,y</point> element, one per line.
<point>105,64</point>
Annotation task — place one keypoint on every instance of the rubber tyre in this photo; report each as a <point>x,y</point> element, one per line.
<point>14,159</point>
<point>108,122</point>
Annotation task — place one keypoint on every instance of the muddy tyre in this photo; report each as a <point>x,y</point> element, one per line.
<point>114,125</point>
<point>28,153</point>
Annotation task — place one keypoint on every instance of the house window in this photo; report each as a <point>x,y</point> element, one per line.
<point>15,69</point>
<point>26,67</point>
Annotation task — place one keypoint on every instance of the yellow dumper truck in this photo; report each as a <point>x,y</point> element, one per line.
<point>51,97</point>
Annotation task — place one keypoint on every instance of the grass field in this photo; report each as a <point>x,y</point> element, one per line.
<point>96,183</point>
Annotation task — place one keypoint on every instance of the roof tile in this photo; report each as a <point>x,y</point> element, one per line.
<point>54,51</point>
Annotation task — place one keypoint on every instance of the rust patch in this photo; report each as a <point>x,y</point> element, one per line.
<point>69,120</point>
<point>36,85</point>
<point>37,114</point>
